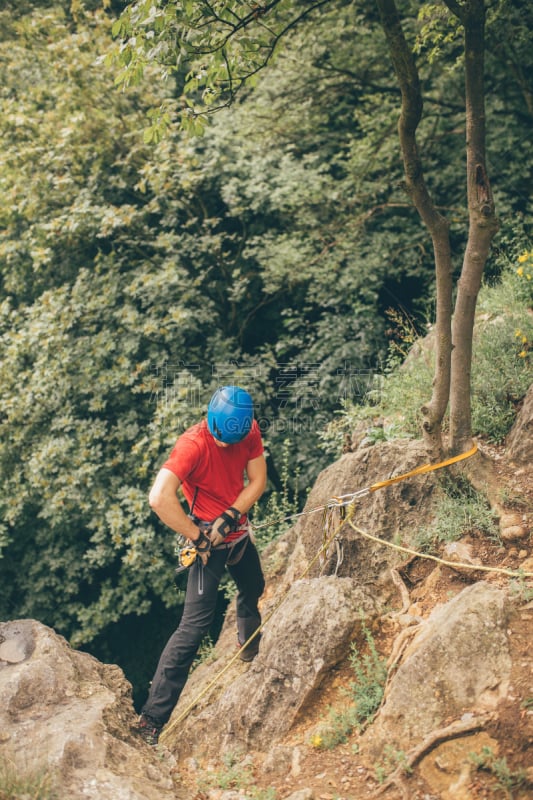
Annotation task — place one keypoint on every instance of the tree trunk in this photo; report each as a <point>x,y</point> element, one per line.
<point>437,225</point>
<point>482,224</point>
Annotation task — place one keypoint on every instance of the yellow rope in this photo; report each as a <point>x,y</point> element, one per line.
<point>346,499</point>
<point>425,468</point>
<point>173,725</point>
<point>511,573</point>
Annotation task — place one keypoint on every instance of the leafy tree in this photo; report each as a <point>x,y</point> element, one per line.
<point>134,280</point>
<point>87,325</point>
<point>225,44</point>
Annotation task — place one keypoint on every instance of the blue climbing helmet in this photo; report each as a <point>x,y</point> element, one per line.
<point>230,414</point>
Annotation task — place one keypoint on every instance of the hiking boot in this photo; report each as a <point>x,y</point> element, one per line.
<point>250,652</point>
<point>149,730</point>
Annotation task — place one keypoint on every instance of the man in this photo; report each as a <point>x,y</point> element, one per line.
<point>208,462</point>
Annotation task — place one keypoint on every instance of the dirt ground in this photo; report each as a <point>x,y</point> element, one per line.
<point>342,773</point>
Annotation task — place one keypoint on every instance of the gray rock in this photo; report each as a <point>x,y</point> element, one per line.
<point>309,633</point>
<point>63,711</point>
<point>519,444</point>
<point>395,510</point>
<point>458,662</point>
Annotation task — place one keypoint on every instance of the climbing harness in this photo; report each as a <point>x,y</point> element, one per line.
<point>187,552</point>
<point>338,512</point>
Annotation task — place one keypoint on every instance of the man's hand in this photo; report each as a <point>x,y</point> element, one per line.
<point>203,546</point>
<point>226,523</point>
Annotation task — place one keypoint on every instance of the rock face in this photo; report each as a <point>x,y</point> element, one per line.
<point>520,439</point>
<point>386,513</point>
<point>64,712</point>
<point>319,616</point>
<point>458,663</point>
<point>310,632</point>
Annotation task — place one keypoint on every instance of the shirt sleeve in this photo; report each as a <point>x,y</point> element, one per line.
<point>183,458</point>
<point>254,442</point>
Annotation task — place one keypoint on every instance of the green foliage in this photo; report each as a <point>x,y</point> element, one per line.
<point>392,760</point>
<point>507,780</point>
<point>364,694</point>
<point>235,774</point>
<point>501,369</point>
<point>206,652</point>
<point>336,730</point>
<point>81,407</point>
<point>212,49</point>
<point>460,510</point>
<point>501,372</point>
<point>439,31</point>
<point>370,672</point>
<point>21,783</point>
<point>391,406</point>
<point>273,517</point>
<point>70,154</point>
<point>521,589</point>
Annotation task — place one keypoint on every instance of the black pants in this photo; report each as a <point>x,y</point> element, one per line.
<point>198,613</point>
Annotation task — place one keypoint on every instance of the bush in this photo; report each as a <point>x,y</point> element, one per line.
<point>501,369</point>
<point>25,784</point>
<point>364,696</point>
<point>460,511</point>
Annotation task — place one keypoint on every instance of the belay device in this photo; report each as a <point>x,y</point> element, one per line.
<point>187,554</point>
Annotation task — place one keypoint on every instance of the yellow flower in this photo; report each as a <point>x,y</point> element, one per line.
<point>520,271</point>
<point>522,354</point>
<point>524,257</point>
<point>524,339</point>
<point>316,740</point>
<point>518,333</point>
<point>528,276</point>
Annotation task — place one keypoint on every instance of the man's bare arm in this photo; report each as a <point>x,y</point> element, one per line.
<point>257,479</point>
<point>164,501</point>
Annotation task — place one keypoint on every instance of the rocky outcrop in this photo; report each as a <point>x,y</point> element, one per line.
<point>388,514</point>
<point>457,663</point>
<point>317,618</point>
<point>257,705</point>
<point>519,443</point>
<point>64,713</point>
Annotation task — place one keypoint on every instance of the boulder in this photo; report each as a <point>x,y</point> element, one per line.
<point>64,713</point>
<point>392,512</point>
<point>253,707</point>
<point>459,662</point>
<point>318,617</point>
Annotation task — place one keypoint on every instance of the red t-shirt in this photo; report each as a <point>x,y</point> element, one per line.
<point>215,474</point>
